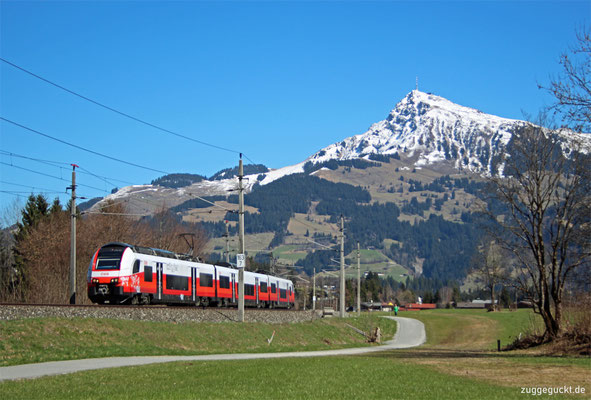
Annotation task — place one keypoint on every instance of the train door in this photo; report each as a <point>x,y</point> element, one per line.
<point>233,288</point>
<point>216,283</point>
<point>194,283</point>
<point>256,289</point>
<point>159,280</point>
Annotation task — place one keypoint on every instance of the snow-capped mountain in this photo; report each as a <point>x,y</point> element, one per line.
<point>433,129</point>
<point>424,128</point>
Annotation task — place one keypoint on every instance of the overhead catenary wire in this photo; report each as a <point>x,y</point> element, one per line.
<point>322,245</point>
<point>207,212</point>
<point>45,190</point>
<point>212,203</point>
<point>112,202</point>
<point>82,148</point>
<point>104,178</point>
<point>52,163</point>
<point>58,164</point>
<point>124,113</point>
<point>50,176</point>
<point>16,192</point>
<point>13,194</point>
<point>108,213</point>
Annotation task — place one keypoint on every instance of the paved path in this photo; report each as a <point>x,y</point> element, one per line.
<point>410,333</point>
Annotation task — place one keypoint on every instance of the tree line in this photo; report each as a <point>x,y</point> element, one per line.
<point>35,261</point>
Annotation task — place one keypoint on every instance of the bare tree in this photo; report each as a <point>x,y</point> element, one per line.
<point>544,215</point>
<point>446,296</point>
<point>572,89</point>
<point>46,248</point>
<point>165,231</point>
<point>491,267</point>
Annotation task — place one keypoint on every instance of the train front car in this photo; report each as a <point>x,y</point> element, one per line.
<point>109,269</point>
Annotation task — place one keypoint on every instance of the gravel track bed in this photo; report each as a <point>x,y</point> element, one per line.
<point>157,314</point>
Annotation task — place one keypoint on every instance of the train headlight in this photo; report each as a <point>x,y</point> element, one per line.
<point>115,280</point>
<point>95,280</point>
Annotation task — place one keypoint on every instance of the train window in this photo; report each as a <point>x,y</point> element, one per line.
<point>273,288</point>
<point>224,282</point>
<point>206,280</point>
<point>108,263</point>
<point>249,290</point>
<point>136,267</point>
<point>263,287</point>
<point>109,257</point>
<point>175,282</point>
<point>147,274</point>
<point>283,293</point>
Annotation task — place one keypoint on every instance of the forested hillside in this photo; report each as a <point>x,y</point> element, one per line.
<point>413,234</point>
<point>177,180</point>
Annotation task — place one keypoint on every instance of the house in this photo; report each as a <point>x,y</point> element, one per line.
<point>377,306</point>
<point>476,304</point>
<point>371,306</point>
<point>420,306</point>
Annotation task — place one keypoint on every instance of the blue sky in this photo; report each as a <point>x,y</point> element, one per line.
<point>274,80</point>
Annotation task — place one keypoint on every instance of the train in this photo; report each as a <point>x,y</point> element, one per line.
<point>121,273</point>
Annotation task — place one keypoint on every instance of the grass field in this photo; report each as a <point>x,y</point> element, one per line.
<point>475,329</point>
<point>455,363</point>
<point>50,339</point>
<point>374,261</point>
<point>289,253</point>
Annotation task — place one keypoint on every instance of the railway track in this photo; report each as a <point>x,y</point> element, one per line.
<point>152,306</point>
<point>159,313</point>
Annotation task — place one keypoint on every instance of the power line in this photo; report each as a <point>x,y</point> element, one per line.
<point>322,245</point>
<point>50,176</point>
<point>107,213</point>
<point>103,178</point>
<point>123,113</point>
<point>28,186</point>
<point>82,148</point>
<point>26,192</point>
<point>212,203</point>
<point>52,163</point>
<point>13,193</point>
<point>8,153</point>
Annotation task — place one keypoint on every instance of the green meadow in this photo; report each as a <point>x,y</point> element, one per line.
<point>459,361</point>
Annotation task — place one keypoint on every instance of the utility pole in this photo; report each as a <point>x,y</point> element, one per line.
<point>73,238</point>
<point>241,241</point>
<point>358,280</point>
<point>227,236</point>
<point>314,291</point>
<point>305,295</point>
<point>342,291</point>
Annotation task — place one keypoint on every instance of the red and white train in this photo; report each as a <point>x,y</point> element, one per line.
<point>120,273</point>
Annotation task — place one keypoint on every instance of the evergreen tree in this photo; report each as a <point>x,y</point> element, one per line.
<point>36,208</point>
<point>34,211</point>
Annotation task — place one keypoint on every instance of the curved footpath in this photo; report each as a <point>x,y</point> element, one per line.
<point>410,333</point>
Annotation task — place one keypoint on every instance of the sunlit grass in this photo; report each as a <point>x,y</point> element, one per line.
<point>328,378</point>
<point>50,339</point>
<point>456,363</point>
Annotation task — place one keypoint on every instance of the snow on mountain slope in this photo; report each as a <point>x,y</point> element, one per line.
<point>423,127</point>
<point>433,129</point>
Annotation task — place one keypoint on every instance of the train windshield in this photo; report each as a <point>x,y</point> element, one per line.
<point>109,257</point>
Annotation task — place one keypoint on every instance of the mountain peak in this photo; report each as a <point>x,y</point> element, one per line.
<point>432,128</point>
